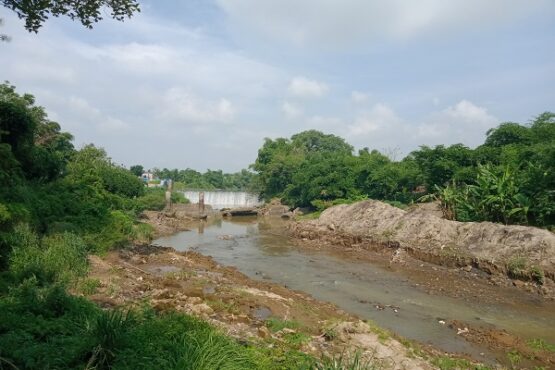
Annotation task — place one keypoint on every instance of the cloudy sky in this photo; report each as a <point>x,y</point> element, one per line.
<point>201,83</point>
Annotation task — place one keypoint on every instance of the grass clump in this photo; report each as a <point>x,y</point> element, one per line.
<point>275,324</point>
<point>450,363</point>
<point>342,362</point>
<point>541,345</point>
<point>88,286</point>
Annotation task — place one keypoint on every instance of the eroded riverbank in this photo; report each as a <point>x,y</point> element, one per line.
<point>417,300</point>
<point>261,313</point>
<point>455,310</point>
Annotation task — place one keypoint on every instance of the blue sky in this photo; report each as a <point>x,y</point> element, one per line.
<point>200,83</point>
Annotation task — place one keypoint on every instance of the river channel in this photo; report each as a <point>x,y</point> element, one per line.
<point>259,250</point>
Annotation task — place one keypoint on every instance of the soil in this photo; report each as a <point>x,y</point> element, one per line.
<point>524,253</point>
<point>196,285</point>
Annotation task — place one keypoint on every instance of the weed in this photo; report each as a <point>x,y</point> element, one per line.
<point>275,324</point>
<point>383,335</point>
<point>537,275</point>
<point>541,345</point>
<point>516,268</point>
<point>514,357</point>
<point>89,286</point>
<point>450,363</point>
<point>343,362</point>
<point>297,339</point>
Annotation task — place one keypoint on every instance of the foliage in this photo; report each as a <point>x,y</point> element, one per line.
<point>210,180</point>
<point>344,362</point>
<point>35,13</point>
<point>508,179</point>
<point>58,258</point>
<point>44,327</point>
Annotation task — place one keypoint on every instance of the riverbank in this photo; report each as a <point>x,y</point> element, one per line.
<point>411,244</point>
<point>516,255</point>
<point>221,238</point>
<point>260,313</point>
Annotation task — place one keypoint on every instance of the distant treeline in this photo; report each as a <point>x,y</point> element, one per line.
<point>210,180</point>
<point>510,178</point>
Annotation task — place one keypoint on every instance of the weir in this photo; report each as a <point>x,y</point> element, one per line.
<point>224,199</point>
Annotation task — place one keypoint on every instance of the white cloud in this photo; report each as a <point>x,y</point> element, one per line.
<point>381,127</point>
<point>305,88</point>
<point>291,111</point>
<point>184,106</point>
<point>359,97</point>
<point>380,118</point>
<point>342,23</point>
<point>463,122</point>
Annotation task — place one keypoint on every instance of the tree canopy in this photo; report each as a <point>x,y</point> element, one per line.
<point>35,13</point>
<point>510,178</point>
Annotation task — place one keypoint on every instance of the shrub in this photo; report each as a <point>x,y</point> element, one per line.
<point>57,258</point>
<point>154,199</point>
<point>142,233</point>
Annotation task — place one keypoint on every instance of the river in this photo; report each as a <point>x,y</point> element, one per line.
<point>257,250</point>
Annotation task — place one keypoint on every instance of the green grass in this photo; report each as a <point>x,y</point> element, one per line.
<point>541,345</point>
<point>450,363</point>
<point>275,324</point>
<point>44,327</point>
<point>88,286</point>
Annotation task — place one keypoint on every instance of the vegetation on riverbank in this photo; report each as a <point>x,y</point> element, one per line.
<point>57,206</point>
<point>510,178</point>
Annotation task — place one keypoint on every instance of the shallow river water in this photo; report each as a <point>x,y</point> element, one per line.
<point>260,252</point>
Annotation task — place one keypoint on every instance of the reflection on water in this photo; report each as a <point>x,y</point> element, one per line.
<point>259,249</point>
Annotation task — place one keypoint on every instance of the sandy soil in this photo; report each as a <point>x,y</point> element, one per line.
<point>526,253</point>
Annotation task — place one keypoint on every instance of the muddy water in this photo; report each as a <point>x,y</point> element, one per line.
<point>368,290</point>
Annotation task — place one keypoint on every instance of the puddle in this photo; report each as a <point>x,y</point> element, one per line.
<point>261,313</point>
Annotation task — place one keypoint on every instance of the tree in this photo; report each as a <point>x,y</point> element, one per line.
<point>137,170</point>
<point>35,13</point>
<point>508,133</point>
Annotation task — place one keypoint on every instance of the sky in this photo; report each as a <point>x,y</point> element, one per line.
<point>200,83</point>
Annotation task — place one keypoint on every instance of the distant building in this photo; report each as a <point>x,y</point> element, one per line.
<point>148,176</point>
<point>153,181</point>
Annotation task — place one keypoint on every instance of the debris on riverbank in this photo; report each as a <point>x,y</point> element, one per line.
<point>519,252</point>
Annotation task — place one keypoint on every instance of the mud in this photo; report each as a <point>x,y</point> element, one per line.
<point>194,284</point>
<point>520,252</point>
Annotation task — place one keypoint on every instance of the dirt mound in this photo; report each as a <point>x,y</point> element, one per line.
<point>522,252</point>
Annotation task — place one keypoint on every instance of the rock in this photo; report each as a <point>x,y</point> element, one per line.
<point>264,333</point>
<point>467,268</point>
<point>202,308</point>
<point>194,300</point>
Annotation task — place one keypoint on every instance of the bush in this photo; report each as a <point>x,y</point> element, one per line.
<point>117,233</point>
<point>142,233</point>
<point>57,258</point>
<point>45,328</point>
<point>154,199</point>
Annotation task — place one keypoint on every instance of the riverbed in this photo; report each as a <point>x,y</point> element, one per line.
<point>261,250</point>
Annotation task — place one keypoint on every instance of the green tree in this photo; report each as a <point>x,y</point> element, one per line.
<point>137,170</point>
<point>508,133</point>
<point>35,13</point>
